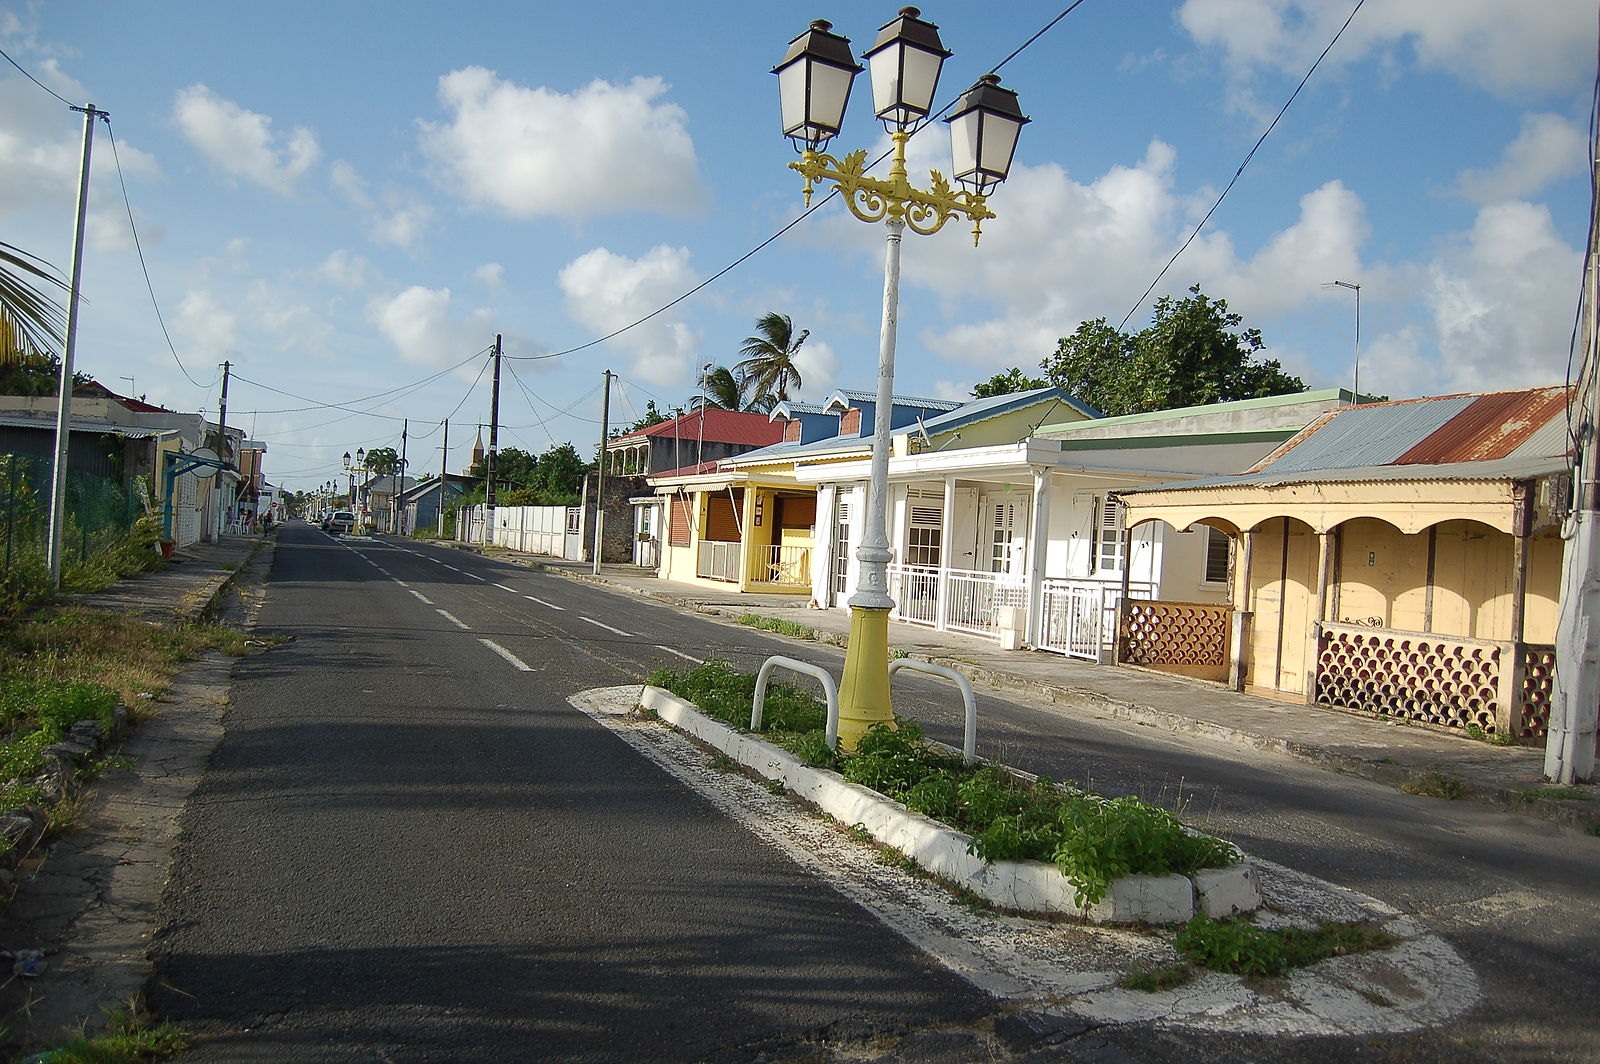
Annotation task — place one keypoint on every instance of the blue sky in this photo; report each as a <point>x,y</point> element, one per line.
<point>346,200</point>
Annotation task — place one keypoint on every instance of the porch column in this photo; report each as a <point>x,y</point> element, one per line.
<point>1319,607</point>
<point>1513,673</point>
<point>745,510</point>
<point>1038,555</point>
<point>946,542</point>
<point>1239,637</point>
<point>822,545</point>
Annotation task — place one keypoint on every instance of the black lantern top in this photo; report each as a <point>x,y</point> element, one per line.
<point>814,81</point>
<point>905,61</point>
<point>983,134</point>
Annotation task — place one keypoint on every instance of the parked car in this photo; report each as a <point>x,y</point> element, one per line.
<point>340,523</point>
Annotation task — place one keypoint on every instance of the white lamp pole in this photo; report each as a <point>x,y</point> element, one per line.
<point>814,82</point>
<point>1355,384</point>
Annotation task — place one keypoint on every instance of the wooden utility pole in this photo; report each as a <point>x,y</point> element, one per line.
<point>444,470</point>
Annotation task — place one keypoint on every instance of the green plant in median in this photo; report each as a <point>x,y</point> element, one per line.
<point>131,1037</point>
<point>1436,784</point>
<point>792,629</point>
<point>1091,839</point>
<point>1241,948</point>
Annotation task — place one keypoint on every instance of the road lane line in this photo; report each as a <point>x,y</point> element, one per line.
<point>455,621</point>
<point>607,627</point>
<point>681,654</point>
<point>516,662</point>
<point>542,602</point>
<point>474,576</point>
<point>426,600</point>
<point>503,587</point>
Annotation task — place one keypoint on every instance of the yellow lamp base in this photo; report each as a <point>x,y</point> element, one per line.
<point>864,688</point>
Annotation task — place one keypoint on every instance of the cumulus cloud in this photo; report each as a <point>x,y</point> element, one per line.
<point>243,144</point>
<point>207,324</point>
<point>343,269</point>
<point>1506,48</point>
<point>532,152</point>
<point>818,364</point>
<point>491,275</point>
<point>1548,148</point>
<point>1490,299</point>
<point>392,217</point>
<point>424,327</point>
<point>604,292</point>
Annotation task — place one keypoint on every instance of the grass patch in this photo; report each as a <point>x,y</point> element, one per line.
<point>1436,784</point>
<point>1151,980</point>
<point>1553,794</point>
<point>1476,731</point>
<point>132,1037</point>
<point>1091,839</point>
<point>792,629</point>
<point>1240,947</point>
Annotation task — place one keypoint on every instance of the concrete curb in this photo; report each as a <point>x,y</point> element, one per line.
<point>1020,886</point>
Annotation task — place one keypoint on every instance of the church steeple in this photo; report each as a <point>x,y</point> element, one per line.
<point>477,448</point>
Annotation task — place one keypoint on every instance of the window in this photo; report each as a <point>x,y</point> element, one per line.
<point>841,547</point>
<point>1107,535</point>
<point>1219,552</point>
<point>1003,533</point>
<point>925,535</point>
<point>678,521</point>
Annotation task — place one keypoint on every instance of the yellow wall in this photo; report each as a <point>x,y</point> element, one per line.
<point>1281,592</point>
<point>1383,574</point>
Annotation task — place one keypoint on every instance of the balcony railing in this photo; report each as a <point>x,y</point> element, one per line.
<point>783,566</point>
<point>719,560</point>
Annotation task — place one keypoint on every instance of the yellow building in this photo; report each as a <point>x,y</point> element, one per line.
<point>1401,559</point>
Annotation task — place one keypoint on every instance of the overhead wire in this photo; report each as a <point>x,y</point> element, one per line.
<point>1200,225</point>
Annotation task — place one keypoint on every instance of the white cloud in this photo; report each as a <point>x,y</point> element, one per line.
<point>393,217</point>
<point>605,292</point>
<point>818,364</point>
<point>1548,148</point>
<point>343,269</point>
<point>1322,245</point>
<point>491,275</point>
<point>1504,47</point>
<point>349,184</point>
<point>242,143</point>
<point>207,325</point>
<point>402,227</point>
<point>423,327</point>
<point>1491,299</point>
<point>531,152</point>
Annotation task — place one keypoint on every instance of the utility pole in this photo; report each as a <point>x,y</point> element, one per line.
<point>222,450</point>
<point>1569,753</point>
<point>444,470</point>
<point>394,496</point>
<point>600,475</point>
<point>58,487</point>
<point>494,445</point>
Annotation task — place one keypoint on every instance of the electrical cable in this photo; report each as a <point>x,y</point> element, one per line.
<point>35,80</point>
<point>1236,174</point>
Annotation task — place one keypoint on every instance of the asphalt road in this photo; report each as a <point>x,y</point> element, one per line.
<point>409,847</point>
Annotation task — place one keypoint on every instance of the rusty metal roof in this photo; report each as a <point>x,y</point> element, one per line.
<point>1448,430</point>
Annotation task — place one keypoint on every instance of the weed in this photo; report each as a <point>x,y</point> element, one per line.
<point>1553,794</point>
<point>1495,738</point>
<point>1151,980</point>
<point>777,788</point>
<point>1241,948</point>
<point>132,1036</point>
<point>859,833</point>
<point>773,624</point>
<point>1593,829</point>
<point>723,763</point>
<point>1436,784</point>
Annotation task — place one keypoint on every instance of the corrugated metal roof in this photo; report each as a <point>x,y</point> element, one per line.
<point>1491,427</point>
<point>80,424</point>
<point>716,425</point>
<point>1373,435</point>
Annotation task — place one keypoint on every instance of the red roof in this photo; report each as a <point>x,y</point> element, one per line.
<point>715,425</point>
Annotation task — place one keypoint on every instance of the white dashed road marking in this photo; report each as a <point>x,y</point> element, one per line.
<point>453,620</point>
<point>607,627</point>
<point>542,602</point>
<point>681,654</point>
<point>516,662</point>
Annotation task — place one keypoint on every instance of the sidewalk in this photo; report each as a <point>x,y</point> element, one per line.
<point>1386,751</point>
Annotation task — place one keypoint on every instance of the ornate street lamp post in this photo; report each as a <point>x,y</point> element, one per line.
<point>814,82</point>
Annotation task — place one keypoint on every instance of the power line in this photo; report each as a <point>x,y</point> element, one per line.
<point>35,80</point>
<point>1234,180</point>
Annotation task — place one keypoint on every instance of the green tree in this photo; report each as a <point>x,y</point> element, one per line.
<point>31,322</point>
<point>767,372</point>
<point>1194,352</point>
<point>1007,383</point>
<point>651,416</point>
<point>382,462</point>
<point>720,388</point>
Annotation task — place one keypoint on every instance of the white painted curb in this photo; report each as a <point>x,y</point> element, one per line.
<point>1023,886</point>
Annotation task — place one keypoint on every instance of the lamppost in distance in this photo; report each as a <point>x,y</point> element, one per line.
<point>814,80</point>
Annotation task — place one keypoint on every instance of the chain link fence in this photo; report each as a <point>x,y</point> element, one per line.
<point>100,513</point>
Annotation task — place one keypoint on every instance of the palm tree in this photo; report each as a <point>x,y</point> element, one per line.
<point>768,372</point>
<point>720,388</point>
<point>31,323</point>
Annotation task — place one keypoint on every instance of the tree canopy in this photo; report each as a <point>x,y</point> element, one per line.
<point>31,322</point>
<point>1007,383</point>
<point>382,461</point>
<point>767,372</point>
<point>1194,352</point>
<point>554,478</point>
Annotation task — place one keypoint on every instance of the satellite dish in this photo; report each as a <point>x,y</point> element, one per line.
<point>202,470</point>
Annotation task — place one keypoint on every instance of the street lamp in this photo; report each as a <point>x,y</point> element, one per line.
<point>814,80</point>
<point>1355,384</point>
